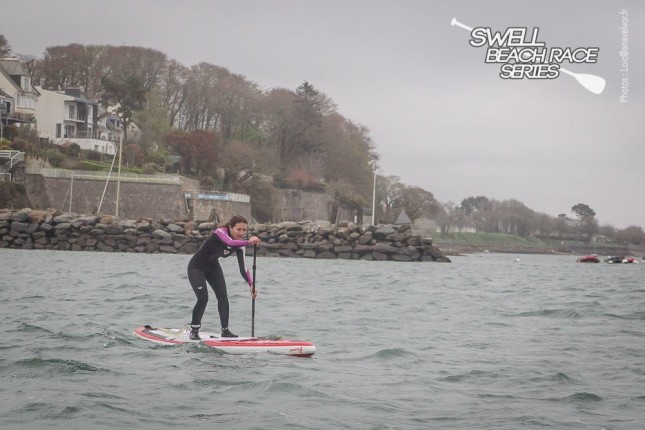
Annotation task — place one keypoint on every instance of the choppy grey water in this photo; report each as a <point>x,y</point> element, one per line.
<point>484,342</point>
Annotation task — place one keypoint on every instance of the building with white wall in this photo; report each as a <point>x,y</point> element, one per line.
<point>67,116</point>
<point>19,96</point>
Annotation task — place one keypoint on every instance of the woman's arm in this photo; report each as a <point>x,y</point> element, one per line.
<point>222,235</point>
<point>241,262</point>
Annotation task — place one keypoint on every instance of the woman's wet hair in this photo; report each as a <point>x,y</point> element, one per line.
<point>236,219</point>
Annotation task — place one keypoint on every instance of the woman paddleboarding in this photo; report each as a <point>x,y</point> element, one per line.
<point>204,267</point>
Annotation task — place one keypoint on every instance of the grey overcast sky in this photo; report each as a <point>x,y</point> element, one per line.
<point>440,117</point>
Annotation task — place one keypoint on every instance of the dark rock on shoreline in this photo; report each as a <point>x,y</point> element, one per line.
<point>30,229</point>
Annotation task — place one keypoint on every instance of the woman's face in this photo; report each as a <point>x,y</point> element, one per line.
<point>238,231</point>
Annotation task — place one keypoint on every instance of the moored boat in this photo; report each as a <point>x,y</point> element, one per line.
<point>588,259</point>
<point>620,259</point>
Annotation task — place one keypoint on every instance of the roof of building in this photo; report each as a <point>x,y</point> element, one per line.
<point>403,218</point>
<point>76,94</point>
<point>9,78</point>
<point>70,94</point>
<point>13,66</point>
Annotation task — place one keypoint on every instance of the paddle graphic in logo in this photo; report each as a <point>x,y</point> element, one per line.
<point>522,56</point>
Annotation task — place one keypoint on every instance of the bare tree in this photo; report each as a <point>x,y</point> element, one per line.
<point>5,48</point>
<point>239,161</point>
<point>279,109</point>
<point>126,96</point>
<point>347,153</point>
<point>236,101</point>
<point>448,217</point>
<point>152,120</point>
<point>200,91</point>
<point>389,195</point>
<point>418,202</point>
<point>587,225</point>
<point>174,96</point>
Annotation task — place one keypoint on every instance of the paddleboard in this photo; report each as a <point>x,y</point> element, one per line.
<point>228,345</point>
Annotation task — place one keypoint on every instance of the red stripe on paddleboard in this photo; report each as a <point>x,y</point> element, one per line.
<point>148,334</point>
<point>254,343</point>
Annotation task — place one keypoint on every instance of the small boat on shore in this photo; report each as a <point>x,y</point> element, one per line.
<point>589,259</point>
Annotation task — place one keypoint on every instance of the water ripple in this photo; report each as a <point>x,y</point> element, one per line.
<point>579,398</point>
<point>58,365</point>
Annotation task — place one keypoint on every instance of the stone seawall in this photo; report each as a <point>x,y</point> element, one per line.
<point>54,230</point>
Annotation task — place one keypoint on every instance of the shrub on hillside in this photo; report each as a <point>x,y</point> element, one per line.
<point>280,180</point>
<point>92,165</point>
<point>149,168</point>
<point>13,195</point>
<point>71,149</point>
<point>207,182</point>
<point>22,145</point>
<point>70,163</point>
<point>93,155</point>
<point>10,132</point>
<point>54,157</point>
<point>159,159</point>
<point>262,198</point>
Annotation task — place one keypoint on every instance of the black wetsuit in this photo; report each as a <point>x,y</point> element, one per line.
<point>204,267</point>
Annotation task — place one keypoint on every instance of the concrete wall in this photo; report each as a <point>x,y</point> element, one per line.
<point>297,205</point>
<point>137,200</point>
<point>288,205</point>
<point>167,201</point>
<point>217,210</point>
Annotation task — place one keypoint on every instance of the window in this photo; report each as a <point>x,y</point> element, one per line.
<point>72,112</point>
<point>25,101</point>
<point>58,130</point>
<point>26,83</point>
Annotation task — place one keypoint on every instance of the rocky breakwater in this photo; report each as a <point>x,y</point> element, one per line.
<point>57,231</point>
<point>54,230</point>
<point>345,240</point>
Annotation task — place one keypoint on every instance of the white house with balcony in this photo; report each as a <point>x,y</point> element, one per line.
<point>109,126</point>
<point>67,116</point>
<point>21,97</point>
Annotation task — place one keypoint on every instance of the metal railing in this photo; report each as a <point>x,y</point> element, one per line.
<point>95,135</point>
<point>103,175</point>
<point>84,135</point>
<point>13,158</point>
<point>78,118</point>
<point>218,195</point>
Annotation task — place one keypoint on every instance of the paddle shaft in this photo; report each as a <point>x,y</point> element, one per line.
<point>255,251</point>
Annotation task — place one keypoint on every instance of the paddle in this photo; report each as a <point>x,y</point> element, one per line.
<point>255,252</point>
